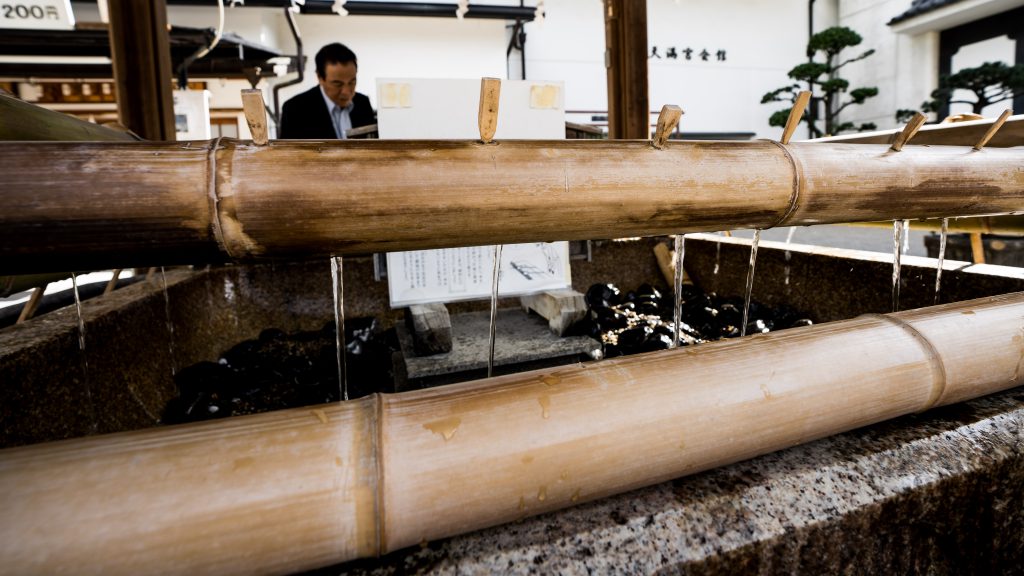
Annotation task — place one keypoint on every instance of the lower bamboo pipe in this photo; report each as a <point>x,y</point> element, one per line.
<point>296,489</point>
<point>114,205</point>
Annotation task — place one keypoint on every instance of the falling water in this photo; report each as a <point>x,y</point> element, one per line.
<point>170,325</point>
<point>718,256</point>
<point>906,236</point>
<point>897,244</point>
<point>338,285</point>
<point>942,257</point>
<point>789,240</point>
<point>494,309</point>
<point>78,307</point>
<point>81,347</point>
<point>678,281</point>
<point>750,280</point>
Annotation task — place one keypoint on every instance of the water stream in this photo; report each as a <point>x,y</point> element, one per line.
<point>94,424</point>
<point>898,227</point>
<point>789,240</point>
<point>942,256</point>
<point>677,310</point>
<point>170,325</point>
<point>338,285</point>
<point>750,281</point>
<point>494,309</point>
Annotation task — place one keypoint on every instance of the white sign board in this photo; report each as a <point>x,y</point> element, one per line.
<point>447,109</point>
<point>37,14</point>
<point>465,273</point>
<point>419,108</point>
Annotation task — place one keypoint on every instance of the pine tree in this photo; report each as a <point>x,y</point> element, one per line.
<point>822,79</point>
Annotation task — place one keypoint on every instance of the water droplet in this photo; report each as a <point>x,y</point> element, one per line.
<point>545,406</point>
<point>767,393</point>
<point>522,503</point>
<point>542,494</point>
<point>320,415</point>
<point>576,496</point>
<point>445,428</point>
<point>551,380</point>
<point>563,476</point>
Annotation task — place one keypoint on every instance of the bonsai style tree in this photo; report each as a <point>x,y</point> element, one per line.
<point>991,82</point>
<point>824,76</point>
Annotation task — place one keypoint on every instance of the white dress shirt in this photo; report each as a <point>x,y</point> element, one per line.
<point>340,117</point>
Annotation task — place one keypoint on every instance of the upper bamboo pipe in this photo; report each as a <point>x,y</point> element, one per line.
<point>292,490</point>
<point>82,205</point>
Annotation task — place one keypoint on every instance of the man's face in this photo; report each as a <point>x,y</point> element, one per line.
<point>339,82</point>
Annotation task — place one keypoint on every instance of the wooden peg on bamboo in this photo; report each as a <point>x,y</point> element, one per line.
<point>908,132</point>
<point>490,91</point>
<point>255,115</point>
<point>113,281</point>
<point>796,113</point>
<point>668,119</point>
<point>33,304</point>
<point>993,129</point>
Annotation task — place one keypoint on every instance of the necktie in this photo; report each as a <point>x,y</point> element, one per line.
<point>336,119</point>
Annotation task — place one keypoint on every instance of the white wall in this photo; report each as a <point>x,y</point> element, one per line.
<point>905,66</point>
<point>762,40</point>
<point>1000,48</point>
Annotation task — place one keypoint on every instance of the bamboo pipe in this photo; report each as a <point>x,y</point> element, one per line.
<point>1011,225</point>
<point>955,134</point>
<point>23,121</point>
<point>295,489</point>
<point>122,205</point>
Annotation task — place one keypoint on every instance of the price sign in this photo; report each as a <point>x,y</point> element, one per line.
<point>37,14</point>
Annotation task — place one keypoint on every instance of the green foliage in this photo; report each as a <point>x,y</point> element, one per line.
<point>833,40</point>
<point>991,82</point>
<point>824,76</point>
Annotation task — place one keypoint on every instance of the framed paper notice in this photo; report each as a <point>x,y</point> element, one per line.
<point>453,274</point>
<point>444,108</point>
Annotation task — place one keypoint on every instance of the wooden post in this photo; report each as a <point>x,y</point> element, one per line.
<point>292,490</point>
<point>255,115</point>
<point>977,248</point>
<point>625,25</point>
<point>487,113</point>
<point>141,53</point>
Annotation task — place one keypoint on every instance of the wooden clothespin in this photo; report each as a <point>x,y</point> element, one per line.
<point>668,119</point>
<point>993,129</point>
<point>908,132</point>
<point>490,92</point>
<point>796,113</point>
<point>255,115</point>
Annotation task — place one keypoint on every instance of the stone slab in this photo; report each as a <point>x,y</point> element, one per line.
<point>520,338</point>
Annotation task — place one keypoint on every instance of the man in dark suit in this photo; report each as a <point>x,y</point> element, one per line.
<point>331,107</point>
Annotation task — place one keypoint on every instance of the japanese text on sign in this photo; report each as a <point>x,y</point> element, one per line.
<point>686,53</point>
